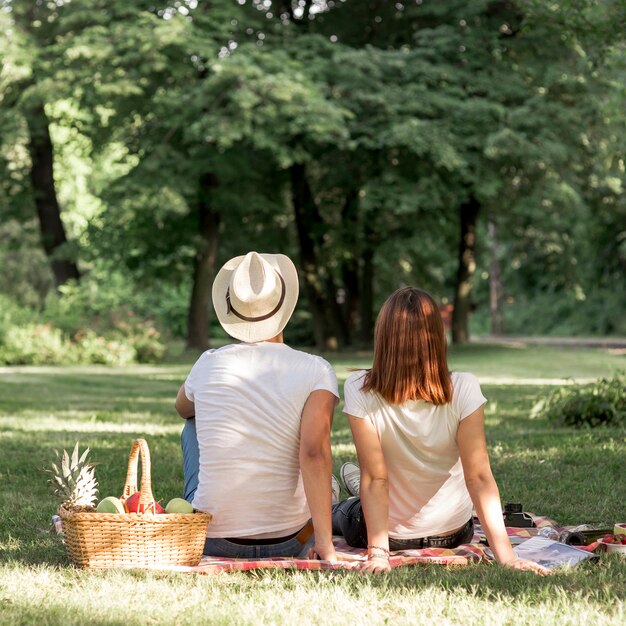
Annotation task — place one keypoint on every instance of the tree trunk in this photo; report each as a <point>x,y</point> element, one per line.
<point>350,260</point>
<point>496,294</point>
<point>366,328</point>
<point>51,226</point>
<point>465,274</point>
<point>204,267</point>
<point>327,323</point>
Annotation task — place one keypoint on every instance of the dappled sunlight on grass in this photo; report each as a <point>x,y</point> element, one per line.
<point>52,424</point>
<point>534,363</point>
<point>146,371</point>
<point>566,474</point>
<point>516,380</point>
<point>344,450</point>
<point>413,595</point>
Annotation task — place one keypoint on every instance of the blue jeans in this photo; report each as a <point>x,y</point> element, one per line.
<point>223,547</point>
<point>349,521</point>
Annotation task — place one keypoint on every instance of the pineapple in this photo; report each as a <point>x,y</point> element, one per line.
<point>73,481</point>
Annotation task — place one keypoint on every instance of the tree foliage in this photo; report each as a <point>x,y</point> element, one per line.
<point>371,141</point>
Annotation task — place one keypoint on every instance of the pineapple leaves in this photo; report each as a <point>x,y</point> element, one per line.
<point>73,479</point>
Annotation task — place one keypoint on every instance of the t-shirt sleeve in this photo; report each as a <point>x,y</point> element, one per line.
<point>326,378</point>
<point>354,399</point>
<point>468,395</point>
<point>196,375</point>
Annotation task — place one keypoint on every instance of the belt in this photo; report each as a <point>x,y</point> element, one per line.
<point>302,536</point>
<point>439,539</point>
<point>418,543</point>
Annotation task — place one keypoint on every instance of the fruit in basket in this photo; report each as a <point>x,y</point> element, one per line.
<point>73,480</point>
<point>131,504</point>
<point>110,505</point>
<point>178,505</point>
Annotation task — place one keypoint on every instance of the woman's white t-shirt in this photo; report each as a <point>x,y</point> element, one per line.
<point>427,492</point>
<point>248,400</point>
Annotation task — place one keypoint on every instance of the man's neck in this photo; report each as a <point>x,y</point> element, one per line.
<point>277,339</point>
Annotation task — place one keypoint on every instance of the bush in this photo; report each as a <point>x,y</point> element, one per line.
<point>107,309</point>
<point>11,314</point>
<point>602,402</point>
<point>113,338</point>
<point>35,344</point>
<point>42,344</point>
<point>139,334</point>
<point>92,348</point>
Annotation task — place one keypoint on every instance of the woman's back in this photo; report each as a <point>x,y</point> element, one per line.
<point>427,492</point>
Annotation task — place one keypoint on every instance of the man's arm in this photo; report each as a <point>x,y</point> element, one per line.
<point>184,406</point>
<point>316,467</point>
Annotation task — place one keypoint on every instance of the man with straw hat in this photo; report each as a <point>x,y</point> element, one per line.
<point>256,444</point>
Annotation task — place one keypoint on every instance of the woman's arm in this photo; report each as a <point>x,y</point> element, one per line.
<point>484,491</point>
<point>374,492</point>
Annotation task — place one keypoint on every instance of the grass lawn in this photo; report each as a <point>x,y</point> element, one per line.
<point>572,476</point>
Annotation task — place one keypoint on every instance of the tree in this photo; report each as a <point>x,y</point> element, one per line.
<point>28,90</point>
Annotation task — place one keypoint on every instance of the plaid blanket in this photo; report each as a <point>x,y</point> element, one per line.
<point>472,552</point>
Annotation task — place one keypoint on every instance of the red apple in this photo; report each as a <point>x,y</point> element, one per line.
<point>131,504</point>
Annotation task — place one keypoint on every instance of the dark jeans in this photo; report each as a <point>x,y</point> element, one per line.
<point>349,521</point>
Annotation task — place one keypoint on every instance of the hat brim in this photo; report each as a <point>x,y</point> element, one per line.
<point>251,332</point>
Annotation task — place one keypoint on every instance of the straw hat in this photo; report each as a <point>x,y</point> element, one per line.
<point>254,295</point>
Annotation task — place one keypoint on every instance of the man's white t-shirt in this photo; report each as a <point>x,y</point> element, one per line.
<point>427,492</point>
<point>248,400</point>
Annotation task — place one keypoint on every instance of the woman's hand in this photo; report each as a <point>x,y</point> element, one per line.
<point>322,553</point>
<point>374,565</point>
<point>527,566</point>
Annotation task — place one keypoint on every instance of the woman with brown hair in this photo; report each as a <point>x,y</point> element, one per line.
<point>419,435</point>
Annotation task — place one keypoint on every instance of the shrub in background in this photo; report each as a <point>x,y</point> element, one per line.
<point>141,335</point>
<point>12,314</point>
<point>105,308</point>
<point>36,344</point>
<point>600,403</point>
<point>92,348</point>
<point>557,314</point>
<point>84,324</point>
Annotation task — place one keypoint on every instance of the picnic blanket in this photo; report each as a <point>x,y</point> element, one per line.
<point>472,552</point>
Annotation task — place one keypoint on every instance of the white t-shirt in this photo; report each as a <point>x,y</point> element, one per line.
<point>248,400</point>
<point>427,492</point>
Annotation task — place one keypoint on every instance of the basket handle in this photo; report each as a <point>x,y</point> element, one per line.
<point>140,446</point>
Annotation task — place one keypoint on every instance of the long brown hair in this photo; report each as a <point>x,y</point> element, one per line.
<point>410,351</point>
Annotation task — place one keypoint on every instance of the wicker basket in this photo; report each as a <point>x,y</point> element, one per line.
<point>101,540</point>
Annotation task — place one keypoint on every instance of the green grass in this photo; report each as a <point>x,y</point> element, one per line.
<point>572,476</point>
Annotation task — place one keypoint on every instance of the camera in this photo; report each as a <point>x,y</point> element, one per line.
<point>515,517</point>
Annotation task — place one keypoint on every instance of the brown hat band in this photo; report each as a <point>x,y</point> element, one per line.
<point>231,309</point>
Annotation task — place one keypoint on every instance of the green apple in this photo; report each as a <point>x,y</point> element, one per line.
<point>110,505</point>
<point>178,505</point>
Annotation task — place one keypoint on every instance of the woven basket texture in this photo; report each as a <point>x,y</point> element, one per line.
<point>103,540</point>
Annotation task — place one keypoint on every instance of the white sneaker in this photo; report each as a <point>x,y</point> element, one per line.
<point>351,477</point>
<point>335,488</point>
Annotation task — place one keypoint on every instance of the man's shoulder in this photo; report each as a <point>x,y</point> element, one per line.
<point>307,357</point>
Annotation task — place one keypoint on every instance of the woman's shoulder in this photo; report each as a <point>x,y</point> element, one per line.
<point>467,395</point>
<point>355,380</point>
<point>464,383</point>
<point>463,379</point>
